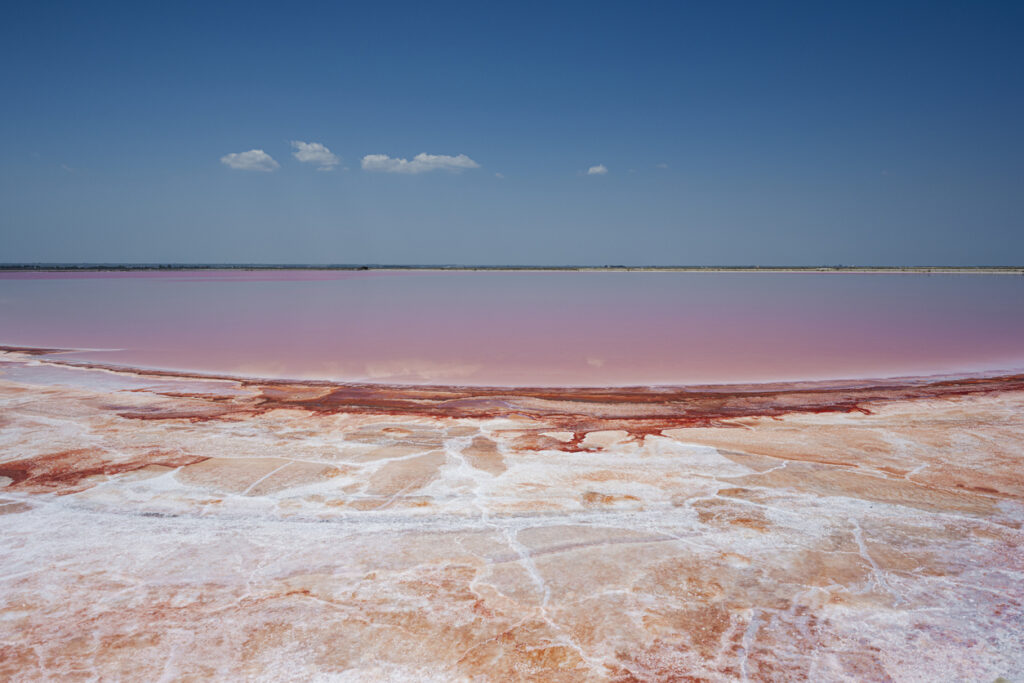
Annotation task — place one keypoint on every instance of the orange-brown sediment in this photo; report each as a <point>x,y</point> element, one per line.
<point>183,528</point>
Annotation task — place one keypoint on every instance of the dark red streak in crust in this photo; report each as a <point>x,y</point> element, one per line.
<point>68,471</point>
<point>637,410</point>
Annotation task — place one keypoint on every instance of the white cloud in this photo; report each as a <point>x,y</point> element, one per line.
<point>421,163</point>
<point>662,165</point>
<point>600,169</point>
<point>315,153</point>
<point>499,175</point>
<point>253,160</point>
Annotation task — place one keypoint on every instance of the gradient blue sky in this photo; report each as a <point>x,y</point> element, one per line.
<point>732,133</point>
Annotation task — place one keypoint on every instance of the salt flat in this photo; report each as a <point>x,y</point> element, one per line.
<point>168,527</point>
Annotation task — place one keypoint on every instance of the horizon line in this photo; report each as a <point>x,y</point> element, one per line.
<point>174,265</point>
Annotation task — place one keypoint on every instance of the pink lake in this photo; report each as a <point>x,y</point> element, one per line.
<point>524,328</point>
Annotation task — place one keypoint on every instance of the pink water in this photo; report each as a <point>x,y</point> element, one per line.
<point>524,328</point>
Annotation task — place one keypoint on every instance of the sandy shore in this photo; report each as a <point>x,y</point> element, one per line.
<point>161,526</point>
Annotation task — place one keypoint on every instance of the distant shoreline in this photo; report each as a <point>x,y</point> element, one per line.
<point>116,267</point>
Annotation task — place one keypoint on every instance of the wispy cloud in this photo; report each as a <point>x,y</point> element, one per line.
<point>662,165</point>
<point>315,153</point>
<point>421,163</point>
<point>253,160</point>
<point>600,169</point>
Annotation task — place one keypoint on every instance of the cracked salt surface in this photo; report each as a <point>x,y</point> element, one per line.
<point>142,542</point>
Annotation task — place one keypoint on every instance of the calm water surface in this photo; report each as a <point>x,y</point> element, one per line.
<point>524,328</point>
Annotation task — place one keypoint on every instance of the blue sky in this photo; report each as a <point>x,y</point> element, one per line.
<point>731,133</point>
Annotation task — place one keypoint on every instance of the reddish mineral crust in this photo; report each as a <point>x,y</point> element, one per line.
<point>165,527</point>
